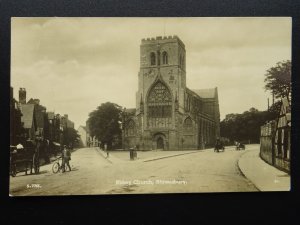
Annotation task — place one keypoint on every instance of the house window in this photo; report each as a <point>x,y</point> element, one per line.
<point>165,58</point>
<point>152,58</point>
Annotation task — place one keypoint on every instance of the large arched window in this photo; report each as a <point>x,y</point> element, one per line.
<point>152,58</point>
<point>159,101</point>
<point>130,128</point>
<point>165,57</point>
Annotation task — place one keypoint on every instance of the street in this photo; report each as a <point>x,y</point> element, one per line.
<point>93,174</point>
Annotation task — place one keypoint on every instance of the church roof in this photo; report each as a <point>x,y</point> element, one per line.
<point>205,93</point>
<point>28,115</point>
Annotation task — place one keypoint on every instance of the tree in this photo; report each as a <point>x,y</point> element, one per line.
<point>70,136</point>
<point>244,127</point>
<point>104,123</point>
<point>274,110</point>
<point>278,79</point>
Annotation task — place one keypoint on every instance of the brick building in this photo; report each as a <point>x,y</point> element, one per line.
<point>41,118</point>
<point>168,115</point>
<point>16,127</point>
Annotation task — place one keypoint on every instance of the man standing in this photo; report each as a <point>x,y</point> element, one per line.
<point>66,157</point>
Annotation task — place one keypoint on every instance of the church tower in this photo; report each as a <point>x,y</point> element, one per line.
<point>161,87</point>
<point>168,115</point>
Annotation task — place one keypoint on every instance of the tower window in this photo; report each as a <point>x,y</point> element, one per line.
<point>158,58</point>
<point>152,58</point>
<point>165,58</point>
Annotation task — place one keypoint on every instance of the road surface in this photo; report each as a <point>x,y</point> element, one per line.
<point>93,174</point>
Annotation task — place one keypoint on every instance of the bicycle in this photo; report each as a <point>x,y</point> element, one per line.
<point>57,165</point>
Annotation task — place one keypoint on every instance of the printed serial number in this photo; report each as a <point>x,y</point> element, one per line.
<point>34,186</point>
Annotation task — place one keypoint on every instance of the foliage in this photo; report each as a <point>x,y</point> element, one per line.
<point>104,123</point>
<point>278,79</point>
<point>274,110</point>
<point>245,127</point>
<point>70,136</point>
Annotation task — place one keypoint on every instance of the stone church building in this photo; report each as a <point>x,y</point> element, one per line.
<point>168,115</point>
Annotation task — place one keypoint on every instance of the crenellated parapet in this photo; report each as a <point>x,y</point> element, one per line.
<point>162,39</point>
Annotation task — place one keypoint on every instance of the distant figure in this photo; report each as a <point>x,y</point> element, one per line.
<point>105,148</point>
<point>66,157</point>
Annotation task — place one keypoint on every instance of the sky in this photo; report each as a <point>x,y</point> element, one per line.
<point>74,64</point>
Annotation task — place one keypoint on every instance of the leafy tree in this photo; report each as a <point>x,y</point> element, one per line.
<point>244,127</point>
<point>278,79</point>
<point>70,136</point>
<point>274,110</point>
<point>104,123</point>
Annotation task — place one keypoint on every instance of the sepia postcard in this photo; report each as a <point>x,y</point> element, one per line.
<point>123,105</point>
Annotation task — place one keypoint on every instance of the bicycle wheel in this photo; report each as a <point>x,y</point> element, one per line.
<point>55,167</point>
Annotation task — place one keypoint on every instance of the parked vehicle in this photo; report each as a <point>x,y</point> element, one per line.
<point>219,147</point>
<point>240,146</point>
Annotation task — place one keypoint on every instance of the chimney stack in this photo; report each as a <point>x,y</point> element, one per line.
<point>22,96</point>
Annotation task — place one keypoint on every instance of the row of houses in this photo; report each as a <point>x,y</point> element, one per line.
<point>275,138</point>
<point>29,120</point>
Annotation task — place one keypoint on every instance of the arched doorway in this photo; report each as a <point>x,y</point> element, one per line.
<point>160,143</point>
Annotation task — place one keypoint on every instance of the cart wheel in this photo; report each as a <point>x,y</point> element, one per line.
<point>55,167</point>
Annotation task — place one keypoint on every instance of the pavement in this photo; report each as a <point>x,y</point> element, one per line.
<point>264,176</point>
<point>159,154</point>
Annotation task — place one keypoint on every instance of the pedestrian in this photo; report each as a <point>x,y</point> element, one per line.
<point>105,148</point>
<point>66,157</point>
<point>13,158</point>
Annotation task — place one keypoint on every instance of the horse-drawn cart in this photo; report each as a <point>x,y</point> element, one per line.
<point>24,159</point>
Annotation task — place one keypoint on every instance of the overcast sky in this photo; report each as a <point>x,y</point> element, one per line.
<point>74,64</point>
